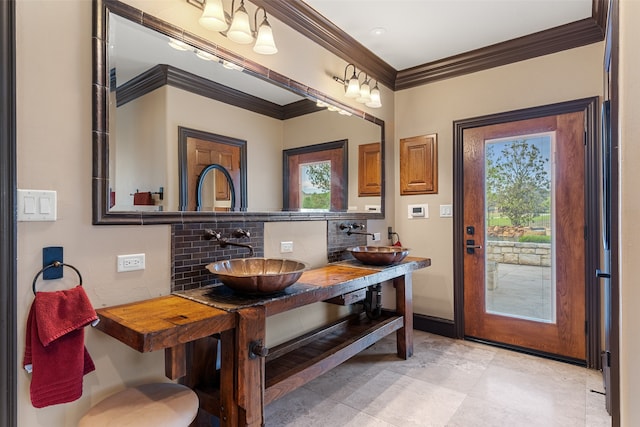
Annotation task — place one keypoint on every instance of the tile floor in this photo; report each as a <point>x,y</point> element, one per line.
<point>446,383</point>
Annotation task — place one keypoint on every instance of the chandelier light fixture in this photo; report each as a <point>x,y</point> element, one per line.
<point>237,25</point>
<point>359,90</point>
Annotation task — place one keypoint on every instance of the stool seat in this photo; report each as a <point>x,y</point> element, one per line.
<point>161,404</point>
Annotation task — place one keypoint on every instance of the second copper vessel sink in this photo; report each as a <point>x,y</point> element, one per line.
<point>379,255</point>
<point>258,275</point>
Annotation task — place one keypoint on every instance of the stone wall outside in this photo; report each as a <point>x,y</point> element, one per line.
<point>521,253</point>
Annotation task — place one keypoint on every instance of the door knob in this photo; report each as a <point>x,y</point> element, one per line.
<point>471,246</point>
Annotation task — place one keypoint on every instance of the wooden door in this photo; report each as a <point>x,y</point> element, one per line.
<point>546,157</point>
<point>202,153</point>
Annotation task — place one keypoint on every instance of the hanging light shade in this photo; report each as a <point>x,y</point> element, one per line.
<point>264,41</point>
<point>240,29</point>
<point>362,93</point>
<point>375,101</point>
<point>365,92</point>
<point>213,16</point>
<point>353,88</point>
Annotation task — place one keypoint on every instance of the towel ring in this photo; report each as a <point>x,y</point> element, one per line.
<point>55,264</point>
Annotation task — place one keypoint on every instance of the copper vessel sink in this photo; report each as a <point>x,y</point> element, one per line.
<point>258,276</point>
<point>379,255</point>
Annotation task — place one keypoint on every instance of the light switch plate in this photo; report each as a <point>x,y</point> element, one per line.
<point>37,205</point>
<point>446,211</point>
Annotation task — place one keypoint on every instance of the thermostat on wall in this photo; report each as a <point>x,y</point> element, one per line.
<point>418,211</point>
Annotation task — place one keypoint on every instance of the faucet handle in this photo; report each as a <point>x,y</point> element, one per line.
<point>211,234</point>
<point>239,232</point>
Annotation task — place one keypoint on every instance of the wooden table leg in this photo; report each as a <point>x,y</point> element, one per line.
<point>175,363</point>
<point>404,306</point>
<point>228,404</point>
<point>250,331</point>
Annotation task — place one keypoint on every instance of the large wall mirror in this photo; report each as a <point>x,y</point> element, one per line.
<point>153,79</point>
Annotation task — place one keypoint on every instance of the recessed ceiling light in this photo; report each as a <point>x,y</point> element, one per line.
<point>378,31</point>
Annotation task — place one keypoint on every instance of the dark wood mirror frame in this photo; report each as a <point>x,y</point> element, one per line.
<point>100,176</point>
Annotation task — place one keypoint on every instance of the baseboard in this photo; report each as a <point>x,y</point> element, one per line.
<point>434,325</point>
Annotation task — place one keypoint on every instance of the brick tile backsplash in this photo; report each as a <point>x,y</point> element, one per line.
<point>338,241</point>
<point>190,252</point>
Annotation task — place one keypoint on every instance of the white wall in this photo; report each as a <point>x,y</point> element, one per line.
<point>629,127</point>
<point>434,107</point>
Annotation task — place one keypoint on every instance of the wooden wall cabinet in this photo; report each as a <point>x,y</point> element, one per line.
<point>419,165</point>
<point>369,170</point>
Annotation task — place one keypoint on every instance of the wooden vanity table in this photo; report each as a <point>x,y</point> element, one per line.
<point>251,376</point>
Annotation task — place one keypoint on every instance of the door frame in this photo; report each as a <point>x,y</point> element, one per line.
<point>592,292</point>
<point>8,227</point>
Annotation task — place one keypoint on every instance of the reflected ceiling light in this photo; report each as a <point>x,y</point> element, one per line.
<point>205,55</point>
<point>231,66</point>
<point>361,92</point>
<point>237,26</point>
<point>178,45</point>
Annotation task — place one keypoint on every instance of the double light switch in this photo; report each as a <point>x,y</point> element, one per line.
<point>37,205</point>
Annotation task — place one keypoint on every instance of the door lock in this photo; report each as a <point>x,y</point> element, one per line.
<point>471,246</point>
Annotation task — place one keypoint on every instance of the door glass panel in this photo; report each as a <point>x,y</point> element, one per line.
<point>519,227</point>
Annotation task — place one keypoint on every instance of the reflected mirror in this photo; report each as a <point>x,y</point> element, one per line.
<point>158,86</point>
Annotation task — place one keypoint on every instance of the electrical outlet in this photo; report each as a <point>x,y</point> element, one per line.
<point>286,247</point>
<point>376,237</point>
<point>130,262</point>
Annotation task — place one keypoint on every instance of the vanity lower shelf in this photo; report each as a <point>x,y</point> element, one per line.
<point>292,364</point>
<point>295,363</point>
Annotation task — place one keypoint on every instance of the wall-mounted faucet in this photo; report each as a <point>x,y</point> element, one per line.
<point>355,226</point>
<point>211,234</point>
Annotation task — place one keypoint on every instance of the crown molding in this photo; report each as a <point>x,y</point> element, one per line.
<point>162,74</point>
<point>308,22</point>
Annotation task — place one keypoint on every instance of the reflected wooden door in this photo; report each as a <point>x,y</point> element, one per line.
<point>527,293</point>
<point>202,153</point>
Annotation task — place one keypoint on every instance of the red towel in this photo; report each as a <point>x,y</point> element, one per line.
<point>55,345</point>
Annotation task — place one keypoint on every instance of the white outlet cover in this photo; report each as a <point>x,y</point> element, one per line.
<point>131,262</point>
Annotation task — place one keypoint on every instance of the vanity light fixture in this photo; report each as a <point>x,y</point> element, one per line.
<point>362,92</point>
<point>237,26</point>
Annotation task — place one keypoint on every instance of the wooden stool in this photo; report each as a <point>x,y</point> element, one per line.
<point>161,404</point>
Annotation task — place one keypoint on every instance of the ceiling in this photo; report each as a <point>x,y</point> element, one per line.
<point>407,33</point>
